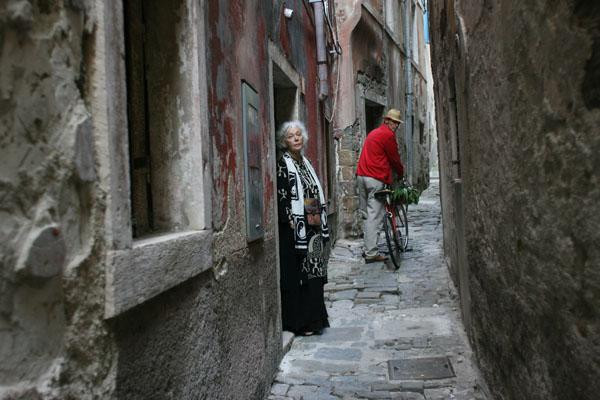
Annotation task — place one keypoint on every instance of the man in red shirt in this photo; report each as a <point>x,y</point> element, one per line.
<point>379,156</point>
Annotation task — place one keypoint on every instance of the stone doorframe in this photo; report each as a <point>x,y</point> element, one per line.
<point>364,93</point>
<point>277,57</point>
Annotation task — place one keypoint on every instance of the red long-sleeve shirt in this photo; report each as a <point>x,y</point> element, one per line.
<point>379,155</point>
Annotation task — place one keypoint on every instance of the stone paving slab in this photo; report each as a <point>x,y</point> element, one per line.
<point>378,314</point>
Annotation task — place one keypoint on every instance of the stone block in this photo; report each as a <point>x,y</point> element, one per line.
<point>374,395</point>
<point>342,304</point>
<point>348,173</point>
<point>332,287</point>
<point>439,383</point>
<point>385,386</point>
<point>44,253</point>
<point>319,396</point>
<point>279,389</point>
<point>437,394</point>
<point>348,188</point>
<point>349,140</point>
<point>366,301</point>
<point>84,152</point>
<point>342,334</point>
<point>368,295</point>
<point>344,295</point>
<point>347,158</point>
<point>350,203</point>
<point>412,386</point>
<point>288,379</point>
<point>299,391</point>
<point>409,396</point>
<point>338,354</point>
<point>343,385</point>
<point>309,367</point>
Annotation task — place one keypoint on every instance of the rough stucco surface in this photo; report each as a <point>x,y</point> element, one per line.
<point>209,339</point>
<point>526,78</point>
<point>218,336</point>
<point>53,343</point>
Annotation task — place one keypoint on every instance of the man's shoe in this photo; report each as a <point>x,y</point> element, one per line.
<point>377,258</point>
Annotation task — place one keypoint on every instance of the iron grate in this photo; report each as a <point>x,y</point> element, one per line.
<point>420,368</point>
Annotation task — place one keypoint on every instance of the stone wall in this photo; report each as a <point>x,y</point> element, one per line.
<point>517,116</point>
<point>54,343</point>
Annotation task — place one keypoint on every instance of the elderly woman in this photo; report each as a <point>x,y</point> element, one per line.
<point>303,234</point>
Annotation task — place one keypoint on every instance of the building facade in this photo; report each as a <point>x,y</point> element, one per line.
<point>139,237</point>
<point>517,115</point>
<point>383,65</point>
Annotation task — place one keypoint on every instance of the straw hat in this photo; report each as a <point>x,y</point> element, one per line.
<point>394,115</point>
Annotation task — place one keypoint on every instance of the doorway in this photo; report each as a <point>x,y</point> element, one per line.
<point>284,97</point>
<point>373,115</point>
<point>286,104</point>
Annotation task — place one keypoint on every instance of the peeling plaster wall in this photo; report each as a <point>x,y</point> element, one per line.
<point>53,341</point>
<point>65,211</point>
<point>517,84</point>
<point>218,336</point>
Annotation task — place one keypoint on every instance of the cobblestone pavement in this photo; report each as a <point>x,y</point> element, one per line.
<point>378,314</point>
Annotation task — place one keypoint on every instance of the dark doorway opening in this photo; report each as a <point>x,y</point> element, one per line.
<point>284,97</point>
<point>373,115</point>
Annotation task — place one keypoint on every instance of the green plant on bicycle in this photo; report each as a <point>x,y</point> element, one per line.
<point>395,221</point>
<point>405,194</point>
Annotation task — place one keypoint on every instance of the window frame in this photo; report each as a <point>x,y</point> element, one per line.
<point>134,272</point>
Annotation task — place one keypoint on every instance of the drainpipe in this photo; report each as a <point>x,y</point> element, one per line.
<point>408,117</point>
<point>321,50</point>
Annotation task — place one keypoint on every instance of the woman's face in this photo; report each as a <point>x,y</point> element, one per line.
<point>294,140</point>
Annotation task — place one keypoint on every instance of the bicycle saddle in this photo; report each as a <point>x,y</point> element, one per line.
<point>382,193</point>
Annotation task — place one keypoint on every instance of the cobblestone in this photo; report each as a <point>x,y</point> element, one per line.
<point>378,314</point>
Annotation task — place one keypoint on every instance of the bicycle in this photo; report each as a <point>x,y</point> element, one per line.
<point>395,224</point>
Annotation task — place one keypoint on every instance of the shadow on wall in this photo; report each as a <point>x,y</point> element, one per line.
<point>587,14</point>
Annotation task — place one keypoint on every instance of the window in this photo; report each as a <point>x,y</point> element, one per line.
<point>415,35</point>
<point>373,115</point>
<point>284,96</point>
<point>160,114</point>
<point>160,228</point>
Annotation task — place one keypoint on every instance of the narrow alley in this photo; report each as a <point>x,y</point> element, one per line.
<point>378,315</point>
<point>170,172</point>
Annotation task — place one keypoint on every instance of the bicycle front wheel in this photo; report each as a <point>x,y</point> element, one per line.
<point>401,225</point>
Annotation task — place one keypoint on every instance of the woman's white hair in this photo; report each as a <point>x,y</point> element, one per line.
<point>285,127</point>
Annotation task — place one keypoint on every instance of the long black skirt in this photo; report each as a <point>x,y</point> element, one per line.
<point>302,305</point>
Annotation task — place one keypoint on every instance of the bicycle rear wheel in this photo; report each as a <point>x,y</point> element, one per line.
<point>392,238</point>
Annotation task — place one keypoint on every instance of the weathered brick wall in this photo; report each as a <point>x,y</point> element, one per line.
<point>348,152</point>
<point>518,82</point>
